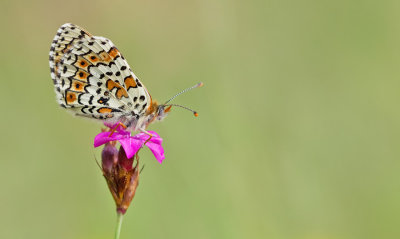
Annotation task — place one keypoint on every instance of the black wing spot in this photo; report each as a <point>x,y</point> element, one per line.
<point>83,109</point>
<point>103,100</point>
<point>91,99</point>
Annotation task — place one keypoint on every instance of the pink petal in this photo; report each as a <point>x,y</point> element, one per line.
<point>141,136</point>
<point>131,146</point>
<point>154,145</point>
<point>104,137</point>
<point>157,150</point>
<point>155,135</point>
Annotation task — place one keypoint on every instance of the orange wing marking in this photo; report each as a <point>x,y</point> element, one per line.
<point>106,111</point>
<point>82,75</point>
<point>78,86</point>
<point>120,90</point>
<point>70,97</point>
<point>129,82</point>
<point>113,52</point>
<point>93,58</point>
<point>82,63</point>
<point>105,57</point>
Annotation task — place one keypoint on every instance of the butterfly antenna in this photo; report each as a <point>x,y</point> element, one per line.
<point>186,108</point>
<point>185,90</point>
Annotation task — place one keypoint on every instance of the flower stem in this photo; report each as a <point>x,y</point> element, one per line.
<point>119,224</point>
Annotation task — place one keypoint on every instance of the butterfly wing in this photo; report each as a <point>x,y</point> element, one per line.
<point>91,77</point>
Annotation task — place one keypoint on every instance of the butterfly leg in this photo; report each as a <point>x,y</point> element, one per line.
<point>115,128</point>
<point>151,136</point>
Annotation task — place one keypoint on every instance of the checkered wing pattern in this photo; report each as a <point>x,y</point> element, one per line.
<point>91,77</point>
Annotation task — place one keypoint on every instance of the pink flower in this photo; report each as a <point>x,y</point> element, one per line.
<point>132,144</point>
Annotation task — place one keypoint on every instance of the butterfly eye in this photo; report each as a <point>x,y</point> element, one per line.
<point>160,110</point>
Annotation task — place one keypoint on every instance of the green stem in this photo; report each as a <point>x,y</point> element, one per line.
<point>120,216</point>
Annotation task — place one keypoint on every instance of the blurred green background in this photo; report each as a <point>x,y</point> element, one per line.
<point>297,135</point>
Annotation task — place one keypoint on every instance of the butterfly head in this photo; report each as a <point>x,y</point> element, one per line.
<point>160,111</point>
<point>157,111</point>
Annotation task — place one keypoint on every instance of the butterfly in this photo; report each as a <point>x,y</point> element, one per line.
<point>92,79</point>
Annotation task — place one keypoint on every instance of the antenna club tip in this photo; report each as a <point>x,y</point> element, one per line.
<point>195,114</point>
<point>200,84</point>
